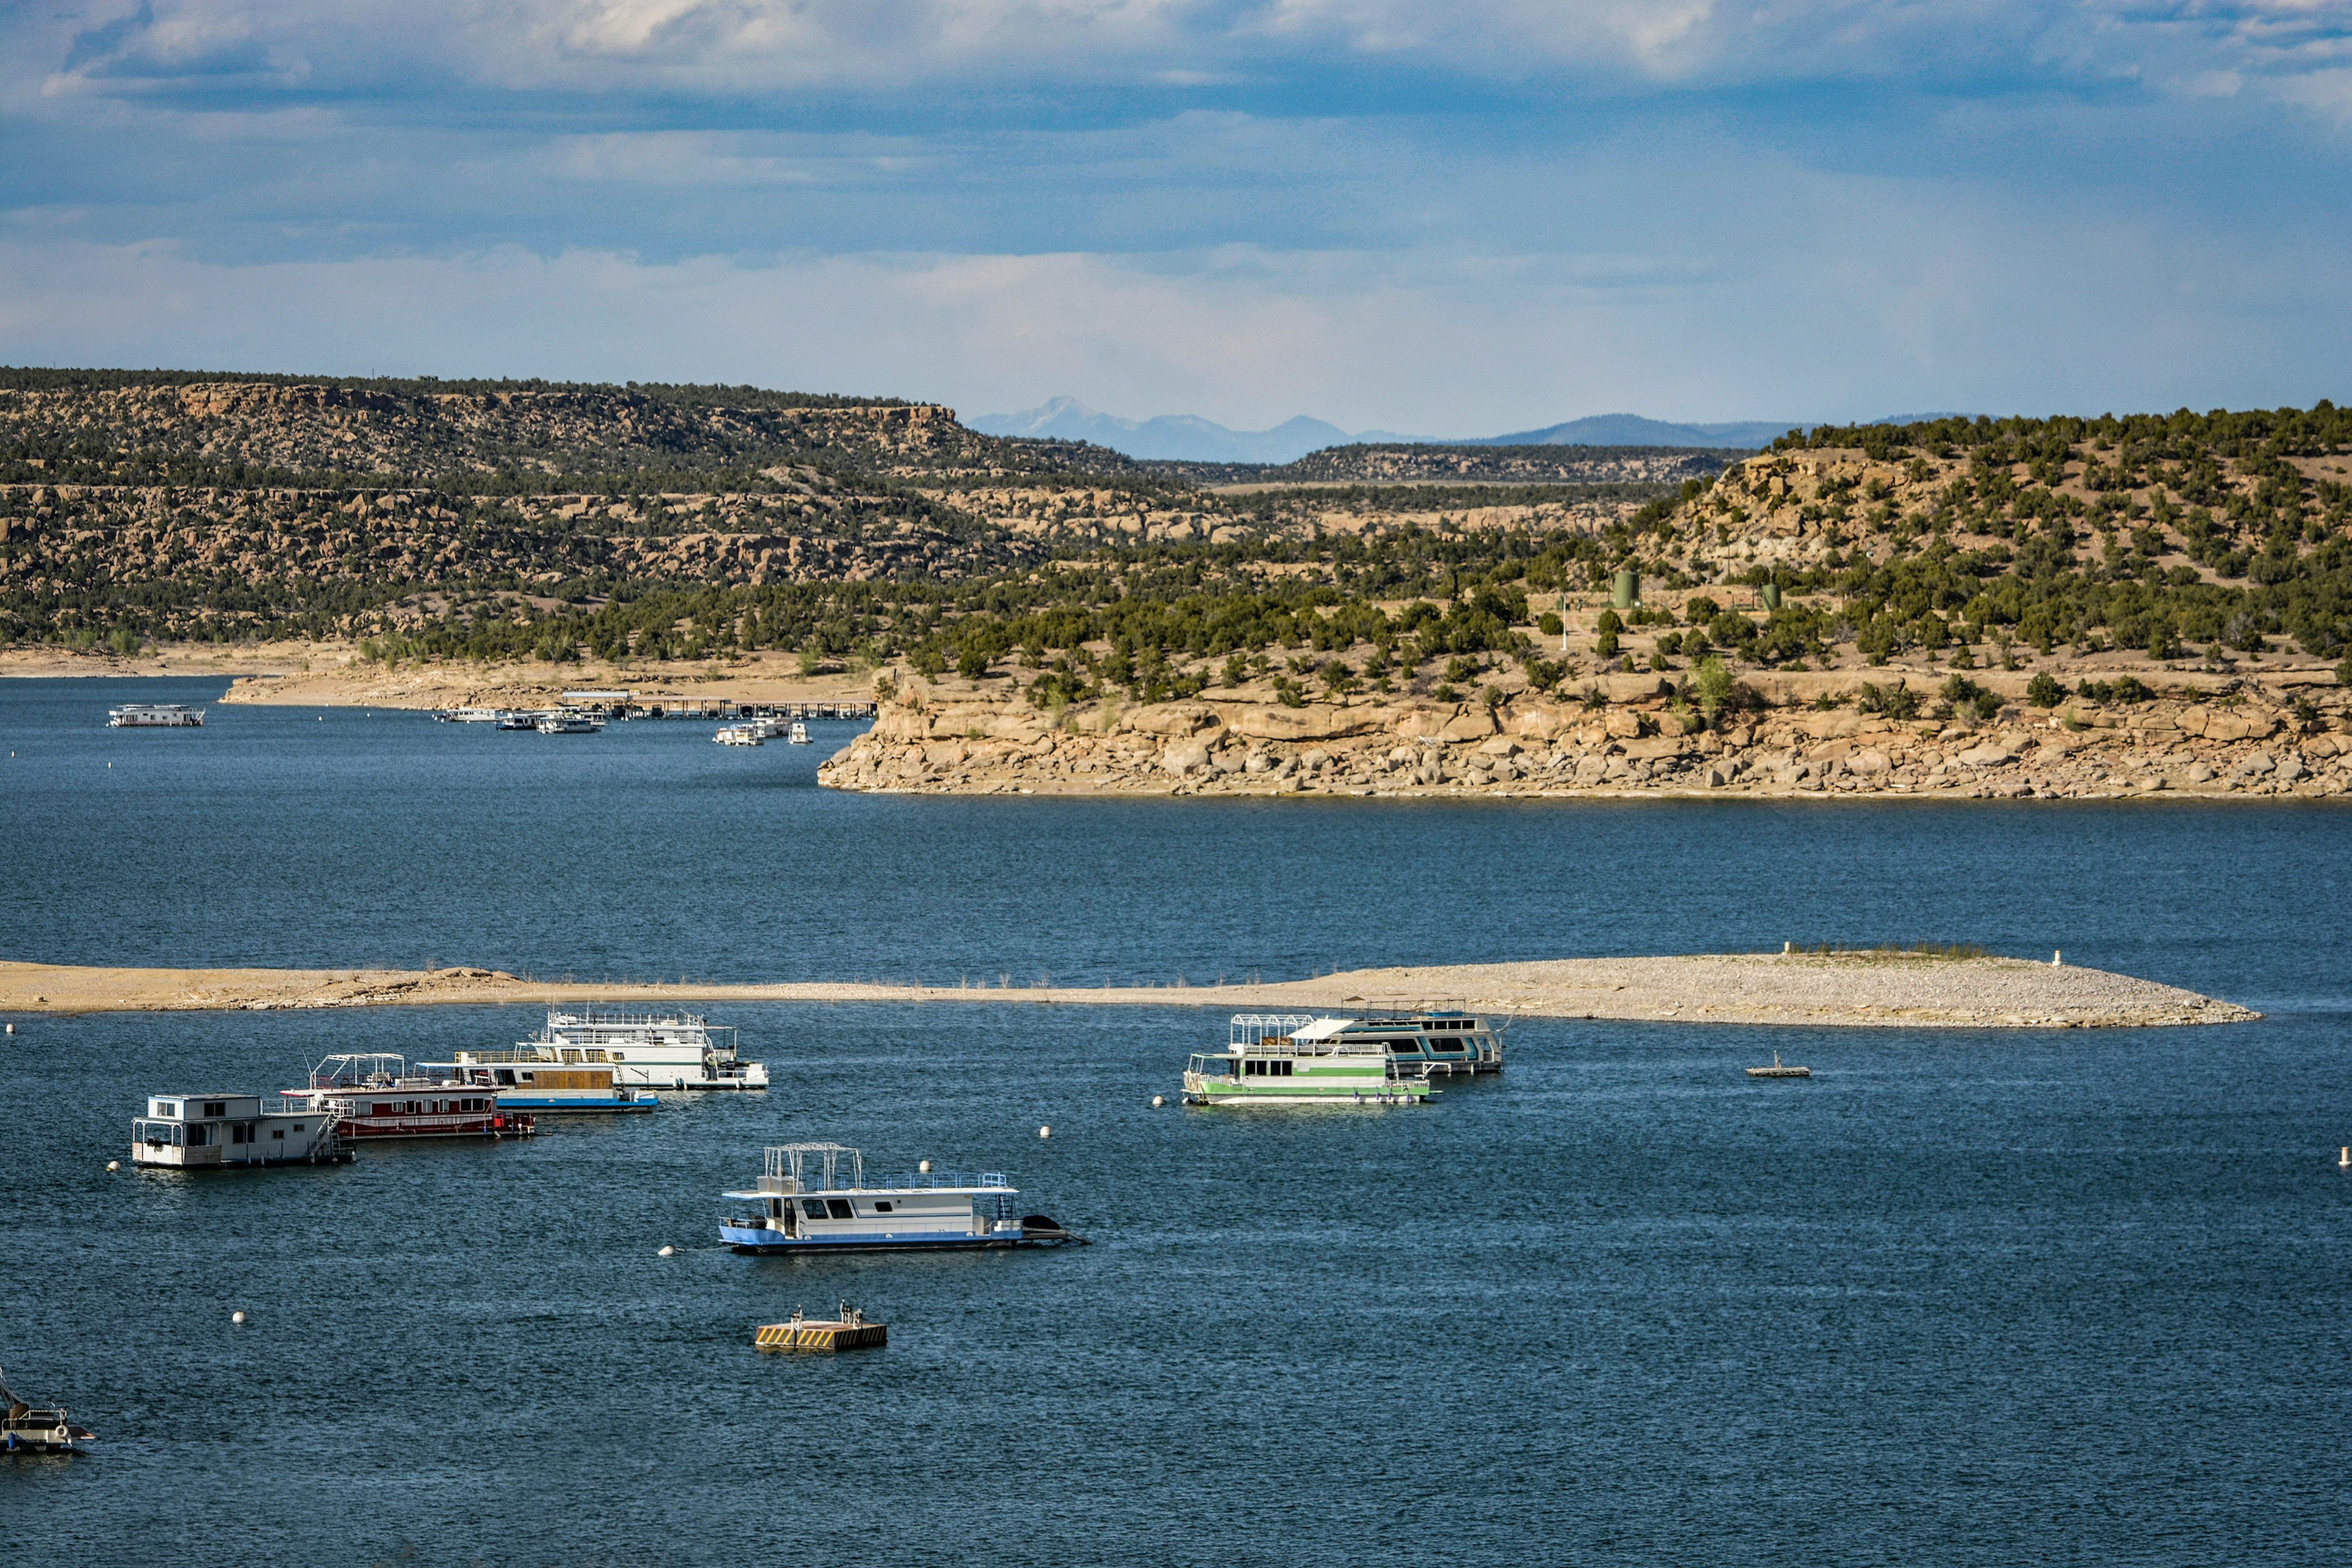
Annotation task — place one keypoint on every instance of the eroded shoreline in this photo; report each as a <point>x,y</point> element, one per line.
<point>1858,989</point>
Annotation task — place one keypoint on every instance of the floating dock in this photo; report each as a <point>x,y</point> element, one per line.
<point>850,1331</point>
<point>1777,1070</point>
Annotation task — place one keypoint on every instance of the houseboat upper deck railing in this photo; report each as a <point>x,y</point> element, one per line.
<point>838,1168</point>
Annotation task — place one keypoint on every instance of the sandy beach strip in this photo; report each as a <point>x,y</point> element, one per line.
<point>1884,989</point>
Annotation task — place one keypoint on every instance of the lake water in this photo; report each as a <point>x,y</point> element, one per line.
<point>1962,1297</point>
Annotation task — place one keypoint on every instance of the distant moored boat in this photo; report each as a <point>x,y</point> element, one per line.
<point>154,716</point>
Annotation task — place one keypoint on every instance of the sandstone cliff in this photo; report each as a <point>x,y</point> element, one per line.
<point>2234,736</point>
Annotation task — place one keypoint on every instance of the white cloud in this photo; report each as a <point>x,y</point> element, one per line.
<point>1913,300</point>
<point>782,46</point>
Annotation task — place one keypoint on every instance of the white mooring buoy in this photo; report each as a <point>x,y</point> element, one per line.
<point>666,1252</point>
<point>1045,1132</point>
<point>1158,1101</point>
<point>924,1166</point>
<point>237,1318</point>
<point>12,1028</point>
<point>114,1165</point>
<point>2054,956</point>
<point>2344,1161</point>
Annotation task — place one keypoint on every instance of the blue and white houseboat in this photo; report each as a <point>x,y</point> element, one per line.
<point>814,1197</point>
<point>585,1087</point>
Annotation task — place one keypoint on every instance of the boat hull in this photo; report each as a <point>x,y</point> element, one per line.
<point>564,1106</point>
<point>167,1157</point>
<point>1386,1094</point>
<point>744,1239</point>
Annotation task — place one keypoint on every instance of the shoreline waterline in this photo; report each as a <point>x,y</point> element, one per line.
<point>1870,988</point>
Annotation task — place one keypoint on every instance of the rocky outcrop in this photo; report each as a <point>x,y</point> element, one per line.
<point>1632,744</point>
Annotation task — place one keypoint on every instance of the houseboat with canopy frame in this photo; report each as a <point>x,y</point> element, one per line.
<point>1280,1058</point>
<point>375,1096</point>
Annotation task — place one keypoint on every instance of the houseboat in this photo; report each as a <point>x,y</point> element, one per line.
<point>814,1197</point>
<point>1423,1039</point>
<point>799,735</point>
<point>1281,1059</point>
<point>569,724</point>
<point>375,1097</point>
<point>538,1088</point>
<point>470,715</point>
<point>741,735</point>
<point>29,1428</point>
<point>644,1050</point>
<point>154,716</point>
<point>523,721</point>
<point>214,1131</point>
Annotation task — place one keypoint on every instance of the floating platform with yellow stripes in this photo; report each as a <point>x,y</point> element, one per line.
<point>850,1331</point>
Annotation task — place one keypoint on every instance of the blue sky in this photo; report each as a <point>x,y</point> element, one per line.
<point>1448,218</point>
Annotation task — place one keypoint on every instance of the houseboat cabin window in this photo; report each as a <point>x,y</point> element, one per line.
<point>278,1133</point>
<point>216,1108</point>
<point>506,1076</point>
<point>881,1208</point>
<point>1256,1069</point>
<point>813,1207</point>
<point>241,1132</point>
<point>841,1209</point>
<point>1212,1067</point>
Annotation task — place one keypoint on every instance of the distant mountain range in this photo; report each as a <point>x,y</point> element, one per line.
<point>1185,437</point>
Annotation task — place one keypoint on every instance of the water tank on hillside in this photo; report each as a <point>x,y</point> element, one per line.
<point>1771,595</point>
<point>1628,591</point>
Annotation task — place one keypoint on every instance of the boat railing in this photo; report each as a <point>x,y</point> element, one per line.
<point>1250,1028</point>
<point>1405,1009</point>
<point>905,1182</point>
<point>580,1015</point>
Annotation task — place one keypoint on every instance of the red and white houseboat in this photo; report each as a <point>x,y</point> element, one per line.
<point>378,1097</point>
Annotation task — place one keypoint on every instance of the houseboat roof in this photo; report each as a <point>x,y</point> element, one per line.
<point>950,1184</point>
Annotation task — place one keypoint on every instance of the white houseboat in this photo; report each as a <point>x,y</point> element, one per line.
<point>569,724</point>
<point>212,1132</point>
<point>375,1096</point>
<point>1424,1038</point>
<point>814,1197</point>
<point>29,1428</point>
<point>799,736</point>
<point>644,1050</point>
<point>741,735</point>
<point>1274,1059</point>
<point>469,715</point>
<point>154,716</point>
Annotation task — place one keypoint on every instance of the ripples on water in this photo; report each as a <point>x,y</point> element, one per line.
<point>1962,1298</point>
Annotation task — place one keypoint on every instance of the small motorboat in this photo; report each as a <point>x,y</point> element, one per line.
<point>32,1429</point>
<point>1778,1070</point>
